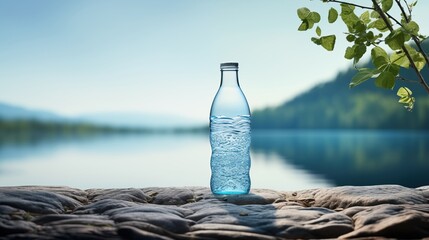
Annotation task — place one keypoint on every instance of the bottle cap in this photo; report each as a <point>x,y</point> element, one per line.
<point>229,65</point>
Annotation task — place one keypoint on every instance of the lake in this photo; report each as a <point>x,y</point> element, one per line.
<point>281,160</point>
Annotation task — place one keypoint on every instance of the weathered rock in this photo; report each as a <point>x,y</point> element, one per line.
<point>37,201</point>
<point>396,221</point>
<point>348,196</point>
<point>389,211</point>
<point>127,194</point>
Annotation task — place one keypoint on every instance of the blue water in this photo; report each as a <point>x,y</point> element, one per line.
<point>230,160</point>
<point>281,160</point>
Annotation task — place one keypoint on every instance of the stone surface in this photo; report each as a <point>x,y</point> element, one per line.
<point>37,212</point>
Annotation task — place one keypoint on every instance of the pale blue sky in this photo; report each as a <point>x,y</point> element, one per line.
<point>159,56</point>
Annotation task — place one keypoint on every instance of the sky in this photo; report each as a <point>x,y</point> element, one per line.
<point>161,56</point>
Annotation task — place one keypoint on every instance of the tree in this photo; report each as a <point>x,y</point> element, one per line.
<point>375,25</point>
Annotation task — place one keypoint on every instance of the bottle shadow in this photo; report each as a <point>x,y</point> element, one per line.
<point>243,216</point>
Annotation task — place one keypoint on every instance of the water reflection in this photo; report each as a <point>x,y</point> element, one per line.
<point>353,157</point>
<point>281,160</point>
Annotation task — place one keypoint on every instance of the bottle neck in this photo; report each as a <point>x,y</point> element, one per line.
<point>229,78</point>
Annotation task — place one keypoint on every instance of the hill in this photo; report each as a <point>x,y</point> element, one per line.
<point>12,112</point>
<point>333,105</point>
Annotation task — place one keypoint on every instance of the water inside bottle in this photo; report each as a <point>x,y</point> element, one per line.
<point>230,161</point>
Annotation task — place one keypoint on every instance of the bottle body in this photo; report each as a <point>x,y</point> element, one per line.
<point>230,136</point>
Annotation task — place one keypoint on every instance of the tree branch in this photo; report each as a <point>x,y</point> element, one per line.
<point>413,65</point>
<point>415,39</point>
<point>408,7</point>
<point>398,2</point>
<point>352,4</point>
<point>407,80</point>
<point>394,19</point>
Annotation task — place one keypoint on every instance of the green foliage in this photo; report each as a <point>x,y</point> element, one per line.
<point>363,75</point>
<point>405,97</point>
<point>368,27</point>
<point>332,15</point>
<point>308,18</point>
<point>331,106</point>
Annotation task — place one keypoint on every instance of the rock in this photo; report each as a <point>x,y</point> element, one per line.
<point>127,194</point>
<point>169,222</point>
<point>348,196</point>
<point>389,211</point>
<point>135,233</point>
<point>37,201</point>
<point>395,221</point>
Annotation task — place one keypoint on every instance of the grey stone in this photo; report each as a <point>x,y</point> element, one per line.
<point>396,221</point>
<point>67,219</point>
<point>135,233</point>
<point>169,222</point>
<point>387,211</point>
<point>127,194</point>
<point>101,206</point>
<point>16,226</point>
<point>223,234</point>
<point>349,196</point>
<point>171,196</point>
<point>37,201</point>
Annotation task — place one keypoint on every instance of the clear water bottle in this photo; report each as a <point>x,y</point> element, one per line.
<point>230,135</point>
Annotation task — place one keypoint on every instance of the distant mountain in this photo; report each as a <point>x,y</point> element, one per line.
<point>12,112</point>
<point>115,119</point>
<point>130,119</point>
<point>332,105</point>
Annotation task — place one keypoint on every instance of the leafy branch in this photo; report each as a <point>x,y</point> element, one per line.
<point>375,25</point>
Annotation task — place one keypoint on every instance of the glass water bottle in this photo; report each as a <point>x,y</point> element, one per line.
<point>230,135</point>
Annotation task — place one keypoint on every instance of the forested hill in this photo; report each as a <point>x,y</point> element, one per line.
<point>333,105</point>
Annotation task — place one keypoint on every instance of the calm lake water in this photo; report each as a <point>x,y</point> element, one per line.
<point>281,160</point>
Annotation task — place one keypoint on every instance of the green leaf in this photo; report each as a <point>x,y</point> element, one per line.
<point>365,17</point>
<point>360,50</point>
<point>386,5</point>
<point>328,42</point>
<point>379,57</point>
<point>303,26</point>
<point>350,53</point>
<point>314,17</point>
<point>379,62</point>
<point>379,24</point>
<point>359,27</point>
<point>363,75</point>
<point>370,36</point>
<point>347,9</point>
<point>350,38</point>
<point>379,52</point>
<point>303,13</point>
<point>385,80</point>
<point>406,100</point>
<point>400,59</point>
<point>394,69</point>
<point>332,15</point>
<point>318,31</point>
<point>375,14</point>
<point>405,97</point>
<point>348,16</point>
<point>395,40</point>
<point>417,57</point>
<point>412,28</point>
<point>404,92</point>
<point>418,60</point>
<point>316,40</point>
